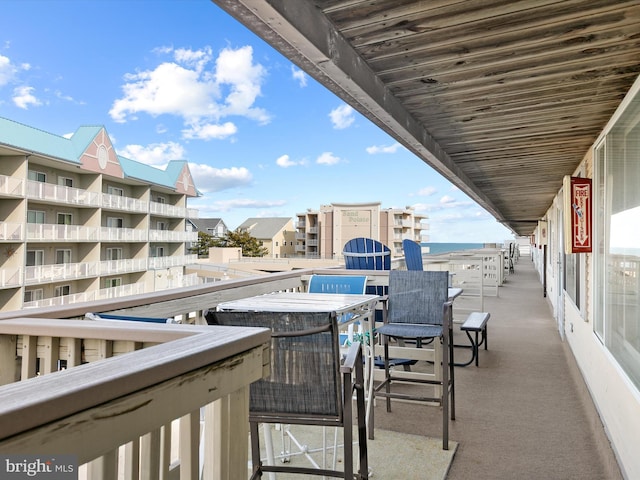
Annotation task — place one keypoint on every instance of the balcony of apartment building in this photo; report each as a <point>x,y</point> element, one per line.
<point>138,397</point>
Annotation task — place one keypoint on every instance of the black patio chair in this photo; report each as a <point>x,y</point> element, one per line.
<point>418,311</point>
<point>309,384</point>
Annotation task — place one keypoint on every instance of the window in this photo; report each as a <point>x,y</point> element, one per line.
<point>65,219</point>
<point>115,222</point>
<point>35,216</point>
<point>62,291</point>
<point>63,256</point>
<point>35,257</point>
<point>118,192</point>
<point>37,176</point>
<point>159,251</point>
<point>161,199</point>
<point>114,253</point>
<point>112,282</point>
<point>65,181</point>
<point>33,295</point>
<point>162,226</point>
<point>617,252</point>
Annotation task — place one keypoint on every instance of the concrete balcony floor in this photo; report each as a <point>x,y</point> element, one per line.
<point>525,412</point>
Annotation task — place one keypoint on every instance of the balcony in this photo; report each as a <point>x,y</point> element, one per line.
<point>49,232</point>
<point>11,232</point>
<point>116,412</point>
<point>103,293</point>
<point>11,186</point>
<point>50,192</point>
<point>172,236</point>
<point>166,210</point>
<point>127,204</point>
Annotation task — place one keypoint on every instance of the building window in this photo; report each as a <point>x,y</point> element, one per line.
<point>65,219</point>
<point>114,253</point>
<point>62,291</point>
<point>63,256</point>
<point>118,192</point>
<point>35,216</point>
<point>65,181</point>
<point>112,282</point>
<point>37,176</point>
<point>115,222</point>
<point>162,226</point>
<point>159,251</point>
<point>161,199</point>
<point>35,258</point>
<point>617,252</point>
<point>33,295</point>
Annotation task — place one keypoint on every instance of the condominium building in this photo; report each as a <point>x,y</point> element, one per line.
<point>322,233</point>
<point>78,222</point>
<point>276,234</point>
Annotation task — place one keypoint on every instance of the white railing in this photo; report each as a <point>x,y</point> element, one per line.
<point>56,272</point>
<point>125,265</point>
<point>54,232</point>
<point>166,262</point>
<point>61,194</point>
<point>124,203</point>
<point>103,293</point>
<point>127,403</point>
<point>172,236</point>
<point>167,210</point>
<point>11,231</point>
<point>113,234</point>
<point>11,186</point>
<point>10,277</point>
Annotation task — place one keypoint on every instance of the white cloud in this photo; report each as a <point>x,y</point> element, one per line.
<point>285,161</point>
<point>23,97</point>
<point>198,89</point>
<point>299,76</point>
<point>157,154</point>
<point>7,70</point>
<point>342,117</point>
<point>374,149</point>
<point>211,179</point>
<point>209,131</point>
<point>427,191</point>
<point>327,158</point>
<point>228,205</point>
<point>447,200</point>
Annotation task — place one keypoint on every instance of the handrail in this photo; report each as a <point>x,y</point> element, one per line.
<point>88,410</point>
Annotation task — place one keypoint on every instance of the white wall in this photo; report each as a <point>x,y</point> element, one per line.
<point>615,398</point>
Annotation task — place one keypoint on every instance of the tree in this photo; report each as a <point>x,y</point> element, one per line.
<point>205,242</point>
<point>251,246</point>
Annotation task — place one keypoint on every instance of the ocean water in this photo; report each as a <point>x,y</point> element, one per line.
<point>435,248</point>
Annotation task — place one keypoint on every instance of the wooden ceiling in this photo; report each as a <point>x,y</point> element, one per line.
<point>502,97</point>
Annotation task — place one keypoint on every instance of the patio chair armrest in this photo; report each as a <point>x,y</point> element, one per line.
<point>351,360</point>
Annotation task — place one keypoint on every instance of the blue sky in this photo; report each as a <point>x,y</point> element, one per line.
<point>183,80</point>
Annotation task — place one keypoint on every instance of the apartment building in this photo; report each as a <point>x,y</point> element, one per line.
<point>276,234</point>
<point>78,222</point>
<point>322,233</point>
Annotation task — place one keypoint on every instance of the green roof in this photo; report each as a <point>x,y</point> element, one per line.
<point>32,140</point>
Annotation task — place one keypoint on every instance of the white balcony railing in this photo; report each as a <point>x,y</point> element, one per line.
<point>60,194</point>
<point>166,210</point>
<point>57,272</point>
<point>104,293</point>
<point>126,265</point>
<point>11,231</point>
<point>166,262</point>
<point>129,401</point>
<point>112,234</point>
<point>124,203</point>
<point>10,277</point>
<point>11,186</point>
<point>172,236</point>
<point>55,233</point>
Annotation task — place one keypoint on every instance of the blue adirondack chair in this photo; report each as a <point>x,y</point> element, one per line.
<point>367,254</point>
<point>412,255</point>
